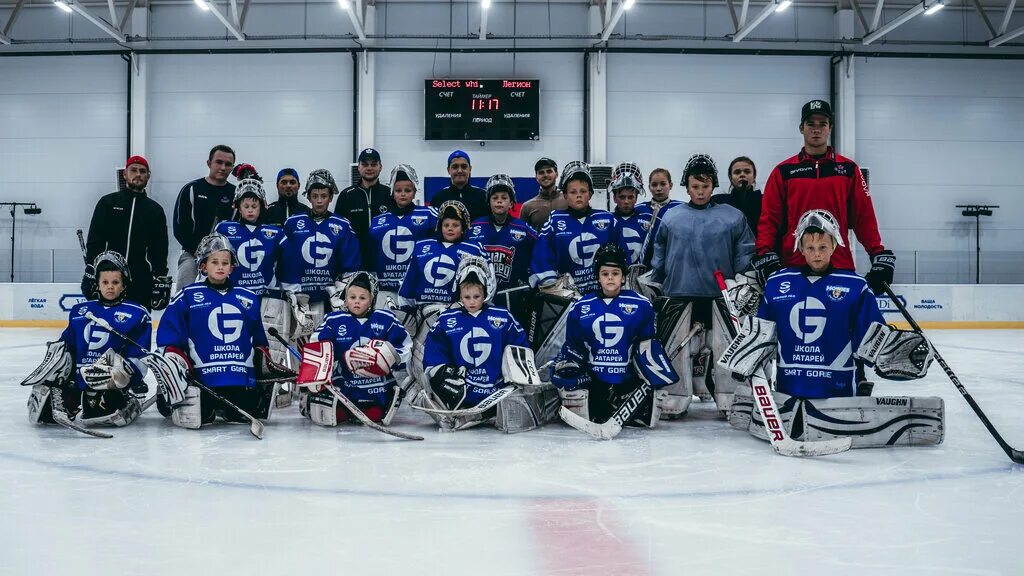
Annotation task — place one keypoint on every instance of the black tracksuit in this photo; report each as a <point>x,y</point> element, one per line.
<point>474,198</point>
<point>283,209</point>
<point>198,209</point>
<point>747,201</point>
<point>359,206</point>
<point>133,225</point>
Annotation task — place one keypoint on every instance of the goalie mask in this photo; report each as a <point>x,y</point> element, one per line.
<point>111,261</point>
<point>404,173</point>
<point>453,209</point>
<point>576,170</point>
<point>250,188</point>
<point>627,175</point>
<point>215,243</point>
<point>501,183</point>
<point>321,178</point>
<point>478,270</point>
<point>820,221</point>
<point>366,281</point>
<point>700,165</point>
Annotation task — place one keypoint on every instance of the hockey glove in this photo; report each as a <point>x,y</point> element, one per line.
<point>160,294</point>
<point>449,384</point>
<point>109,372</point>
<point>883,266</point>
<point>89,282</point>
<point>337,296</point>
<point>765,265</point>
<point>304,319</point>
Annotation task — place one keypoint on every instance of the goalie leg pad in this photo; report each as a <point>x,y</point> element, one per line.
<point>742,407</point>
<point>323,409</point>
<point>576,401</point>
<point>674,324</point>
<point>39,406</point>
<point>754,344</point>
<point>444,422</point>
<point>55,368</point>
<point>429,314</point>
<point>875,422</point>
<point>552,341</point>
<point>275,313</point>
<point>525,410</point>
<point>109,408</point>
<point>718,340</point>
<point>189,413</point>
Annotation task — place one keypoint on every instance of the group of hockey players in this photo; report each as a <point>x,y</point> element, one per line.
<point>607,319</point>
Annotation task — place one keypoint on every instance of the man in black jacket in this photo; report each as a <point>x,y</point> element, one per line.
<point>287,203</point>
<point>475,199</point>
<point>132,224</point>
<point>360,203</point>
<point>201,204</point>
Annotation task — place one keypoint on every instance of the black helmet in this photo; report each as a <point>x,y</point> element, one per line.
<point>610,255</point>
<point>454,209</point>
<point>111,261</point>
<point>700,165</point>
<point>500,183</point>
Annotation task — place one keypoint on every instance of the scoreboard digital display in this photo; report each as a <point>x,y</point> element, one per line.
<point>481,109</point>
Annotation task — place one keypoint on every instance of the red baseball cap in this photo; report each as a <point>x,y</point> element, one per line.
<point>136,160</point>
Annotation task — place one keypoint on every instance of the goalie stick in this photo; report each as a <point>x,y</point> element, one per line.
<point>1014,454</point>
<point>81,244</point>
<point>624,413</point>
<point>255,426</point>
<point>762,389</point>
<point>348,404</point>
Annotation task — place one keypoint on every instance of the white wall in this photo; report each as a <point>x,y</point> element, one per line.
<point>399,110</point>
<point>664,108</point>
<point>62,133</point>
<point>937,133</point>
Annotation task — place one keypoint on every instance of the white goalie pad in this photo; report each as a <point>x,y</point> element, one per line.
<point>681,347</point>
<point>323,409</point>
<point>55,368</point>
<point>870,421</point>
<point>576,401</point>
<point>526,410</point>
<point>896,354</point>
<point>305,315</point>
<point>745,293</point>
<point>171,374</point>
<point>189,413</point>
<point>755,344</point>
<point>39,403</point>
<point>428,314</point>
<point>275,313</point>
<point>718,341</point>
<point>120,417</point>
<point>445,422</point>
<point>519,367</point>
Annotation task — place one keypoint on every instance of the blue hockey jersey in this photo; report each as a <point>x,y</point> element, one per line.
<point>634,229</point>
<point>315,254</point>
<point>821,321</point>
<point>396,234</point>
<point>219,330</point>
<point>431,273</point>
<point>605,332</point>
<point>567,245</point>
<point>648,248</point>
<point>345,331</point>
<point>258,249</point>
<point>509,248</point>
<point>86,341</point>
<point>475,341</point>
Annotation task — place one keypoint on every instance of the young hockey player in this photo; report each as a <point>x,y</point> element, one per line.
<point>610,348</point>
<point>89,367</point>
<point>211,332</point>
<point>429,276</point>
<point>508,242</point>
<point>691,242</point>
<point>369,345</point>
<point>396,232</point>
<point>815,320</point>
<point>570,238</point>
<point>634,219</point>
<point>319,249</point>
<point>470,355</point>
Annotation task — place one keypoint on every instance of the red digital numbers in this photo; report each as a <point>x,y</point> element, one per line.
<point>484,104</point>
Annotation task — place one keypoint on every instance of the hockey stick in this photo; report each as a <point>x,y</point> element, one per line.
<point>255,426</point>
<point>348,404</point>
<point>60,415</point>
<point>81,244</point>
<point>761,386</point>
<point>624,413</point>
<point>1014,454</point>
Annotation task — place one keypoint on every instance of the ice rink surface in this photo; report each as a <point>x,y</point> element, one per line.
<point>690,497</point>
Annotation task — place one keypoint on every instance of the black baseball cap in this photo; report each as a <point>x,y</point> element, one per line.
<point>815,107</point>
<point>368,154</point>
<point>545,163</point>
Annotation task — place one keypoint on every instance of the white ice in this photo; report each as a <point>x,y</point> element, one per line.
<point>690,497</point>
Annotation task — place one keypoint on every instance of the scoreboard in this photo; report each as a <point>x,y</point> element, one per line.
<point>481,109</point>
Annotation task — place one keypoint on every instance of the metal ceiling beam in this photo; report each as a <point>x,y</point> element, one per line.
<point>860,16</point>
<point>5,34</point>
<point>245,12</point>
<point>984,17</point>
<point>1006,17</point>
<point>877,18</point>
<point>732,14</point>
<point>743,14</point>
<point>610,25</point>
<point>96,20</point>
<point>113,11</point>
<point>1004,38</point>
<point>484,10</point>
<point>352,9</point>
<point>761,17</point>
<point>895,23</point>
<point>225,21</point>
<point>127,16</point>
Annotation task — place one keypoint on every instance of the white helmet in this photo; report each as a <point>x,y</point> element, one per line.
<point>403,172</point>
<point>576,170</point>
<point>501,183</point>
<point>215,243</point>
<point>250,187</point>
<point>478,270</point>
<point>822,220</point>
<point>627,175</point>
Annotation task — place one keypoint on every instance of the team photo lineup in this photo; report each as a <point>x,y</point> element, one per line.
<point>477,309</point>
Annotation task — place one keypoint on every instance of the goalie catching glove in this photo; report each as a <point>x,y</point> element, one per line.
<point>896,354</point>
<point>372,360</point>
<point>109,372</point>
<point>755,344</point>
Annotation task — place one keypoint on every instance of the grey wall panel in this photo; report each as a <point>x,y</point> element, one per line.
<point>663,108</point>
<point>399,110</point>
<point>62,133</point>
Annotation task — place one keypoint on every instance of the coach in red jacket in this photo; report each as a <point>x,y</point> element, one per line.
<point>818,178</point>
